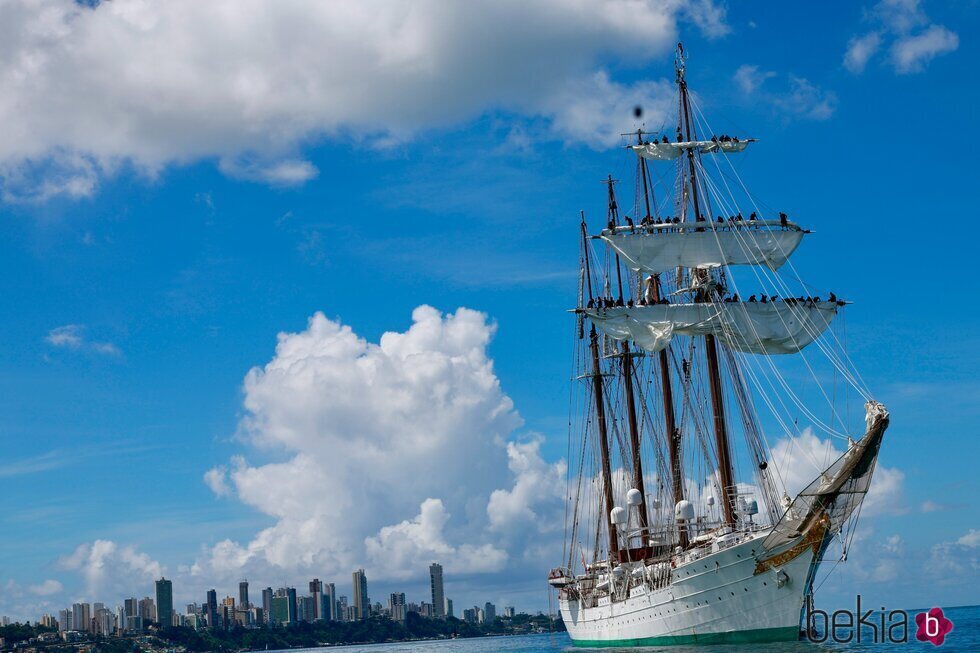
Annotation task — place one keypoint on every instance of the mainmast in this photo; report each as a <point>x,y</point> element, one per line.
<point>627,368</point>
<point>600,412</point>
<point>666,385</point>
<point>725,474</point>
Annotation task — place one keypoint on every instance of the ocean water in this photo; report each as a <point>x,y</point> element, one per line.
<point>965,637</point>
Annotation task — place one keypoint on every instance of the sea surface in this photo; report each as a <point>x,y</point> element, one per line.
<point>965,637</point>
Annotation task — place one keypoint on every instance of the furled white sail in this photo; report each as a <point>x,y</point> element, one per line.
<point>751,327</point>
<point>656,151</point>
<point>658,249</point>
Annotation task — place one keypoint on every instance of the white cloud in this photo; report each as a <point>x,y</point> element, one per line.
<point>387,451</point>
<point>749,77</point>
<point>47,588</point>
<point>799,460</point>
<point>292,172</point>
<point>957,561</point>
<point>108,568</point>
<point>912,53</point>
<point>903,25</point>
<point>396,550</point>
<point>970,540</point>
<point>72,336</point>
<point>142,85</point>
<point>799,98</point>
<point>536,483</point>
<point>859,50</point>
<point>66,336</point>
<point>217,480</point>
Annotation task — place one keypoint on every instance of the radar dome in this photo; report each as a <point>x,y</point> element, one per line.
<point>684,510</point>
<point>633,497</point>
<point>617,516</point>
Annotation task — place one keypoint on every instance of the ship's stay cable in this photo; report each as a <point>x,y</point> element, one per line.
<point>859,382</point>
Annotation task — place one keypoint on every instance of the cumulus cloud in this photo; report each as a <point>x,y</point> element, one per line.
<point>72,336</point>
<point>387,453</point>
<point>859,50</point>
<point>749,77</point>
<point>108,568</point>
<point>798,97</point>
<point>536,484</point>
<point>798,460</point>
<point>396,550</point>
<point>90,88</point>
<point>47,588</point>
<point>216,479</point>
<point>957,561</point>
<point>902,26</point>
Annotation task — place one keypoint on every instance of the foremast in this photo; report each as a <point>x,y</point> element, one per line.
<point>600,411</point>
<point>629,394</point>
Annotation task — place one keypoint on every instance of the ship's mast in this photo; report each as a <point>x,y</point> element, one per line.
<point>666,386</point>
<point>600,413</point>
<point>627,368</point>
<point>725,474</point>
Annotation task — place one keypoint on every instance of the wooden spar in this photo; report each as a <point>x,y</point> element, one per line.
<point>600,412</point>
<point>667,392</point>
<point>627,368</point>
<point>721,431</point>
<point>643,170</point>
<point>673,434</point>
<point>711,346</point>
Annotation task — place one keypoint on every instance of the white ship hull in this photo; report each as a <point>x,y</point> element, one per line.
<point>717,598</point>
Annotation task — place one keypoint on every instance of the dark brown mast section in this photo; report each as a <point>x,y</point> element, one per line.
<point>725,475</point>
<point>627,368</point>
<point>600,413</point>
<point>666,385</point>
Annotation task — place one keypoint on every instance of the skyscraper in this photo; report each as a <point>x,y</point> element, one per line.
<point>293,608</point>
<point>362,605</point>
<point>396,606</point>
<point>81,614</point>
<point>316,593</point>
<point>449,608</point>
<point>330,602</point>
<point>489,612</point>
<point>165,602</point>
<point>243,595</point>
<point>267,601</point>
<point>280,610</point>
<point>438,595</point>
<point>211,609</point>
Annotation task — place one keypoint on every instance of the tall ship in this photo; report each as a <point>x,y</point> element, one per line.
<point>721,441</point>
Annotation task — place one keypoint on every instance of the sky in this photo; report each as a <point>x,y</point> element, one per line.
<point>284,285</point>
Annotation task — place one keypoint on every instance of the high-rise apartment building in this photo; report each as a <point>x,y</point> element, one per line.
<point>267,601</point>
<point>489,612</point>
<point>438,593</point>
<point>330,602</point>
<point>449,608</point>
<point>279,613</point>
<point>362,605</point>
<point>165,602</point>
<point>316,593</point>
<point>211,609</point>
<point>81,617</point>
<point>243,595</point>
<point>293,607</point>
<point>396,606</point>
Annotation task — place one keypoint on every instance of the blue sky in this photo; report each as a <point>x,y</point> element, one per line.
<point>160,228</point>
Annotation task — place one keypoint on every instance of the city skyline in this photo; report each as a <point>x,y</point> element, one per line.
<point>282,606</point>
<point>286,330</point>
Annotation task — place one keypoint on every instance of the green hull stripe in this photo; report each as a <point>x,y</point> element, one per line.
<point>759,635</point>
